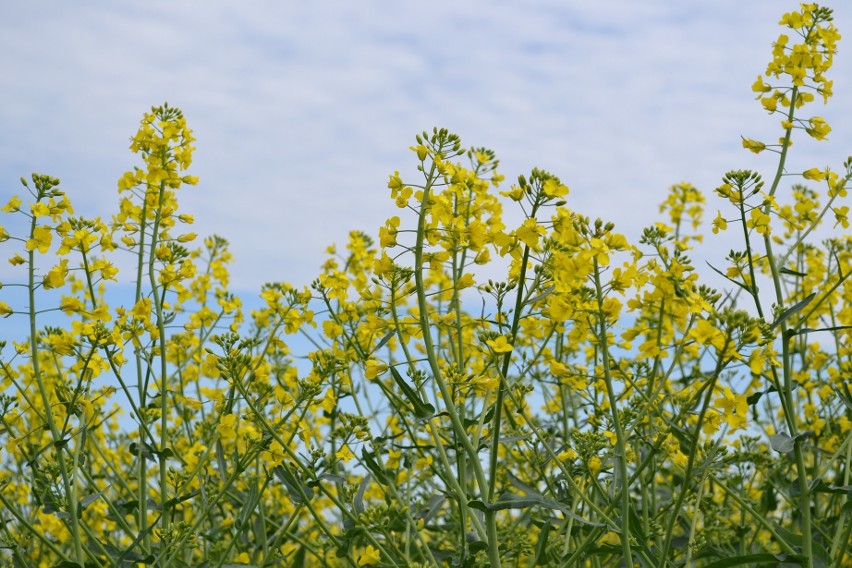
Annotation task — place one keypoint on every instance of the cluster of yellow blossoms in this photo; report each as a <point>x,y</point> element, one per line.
<point>473,394</point>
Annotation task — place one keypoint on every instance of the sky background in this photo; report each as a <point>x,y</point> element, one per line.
<point>302,109</point>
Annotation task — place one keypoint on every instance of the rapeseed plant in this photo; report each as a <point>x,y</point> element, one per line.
<point>599,406</point>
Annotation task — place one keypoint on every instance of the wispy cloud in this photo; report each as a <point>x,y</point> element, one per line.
<point>302,109</point>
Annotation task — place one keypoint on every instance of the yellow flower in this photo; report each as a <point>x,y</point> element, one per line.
<point>484,383</point>
<point>841,215</point>
<point>344,453</point>
<point>369,556</point>
<point>706,334</point>
<point>734,407</point>
<point>465,281</point>
<point>55,278</point>
<point>568,455</point>
<point>42,237</point>
<point>383,265</point>
<point>759,221</point>
<point>818,128</point>
<point>815,174</point>
<point>553,189</point>
<point>754,145</point>
<point>13,205</point>
<point>374,368</point>
<point>227,428</point>
<point>594,465</point>
<point>719,223</point>
<point>329,401</point>
<point>387,234</point>
<point>5,310</point>
<point>70,305</point>
<point>529,233</point>
<point>39,209</point>
<point>500,344</point>
<point>759,86</point>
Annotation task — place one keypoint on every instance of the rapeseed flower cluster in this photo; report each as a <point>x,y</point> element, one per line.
<point>596,405</point>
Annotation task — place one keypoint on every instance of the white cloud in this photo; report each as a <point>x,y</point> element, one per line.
<point>302,109</point>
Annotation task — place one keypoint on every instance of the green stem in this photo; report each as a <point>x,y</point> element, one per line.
<point>458,427</point>
<point>69,484</point>
<point>620,441</point>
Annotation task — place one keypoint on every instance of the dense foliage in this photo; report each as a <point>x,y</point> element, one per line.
<point>598,406</point>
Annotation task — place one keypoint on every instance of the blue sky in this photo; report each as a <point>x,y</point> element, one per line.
<point>302,109</point>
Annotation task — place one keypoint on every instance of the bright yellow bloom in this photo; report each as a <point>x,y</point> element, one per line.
<point>328,401</point>
<point>706,333</point>
<point>13,205</point>
<point>39,209</point>
<point>387,234</point>
<point>754,145</point>
<point>719,223</point>
<point>815,174</point>
<point>818,128</point>
<point>383,265</point>
<point>841,216</point>
<point>759,86</point>
<point>529,233</point>
<point>369,556</point>
<point>466,281</point>
<point>373,368</point>
<point>42,237</point>
<point>55,278</point>
<point>734,407</point>
<point>344,454</point>
<point>553,189</point>
<point>500,344</point>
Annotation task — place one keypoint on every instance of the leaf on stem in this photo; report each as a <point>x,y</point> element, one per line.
<point>421,410</point>
<point>299,492</point>
<point>785,315</point>
<point>784,443</point>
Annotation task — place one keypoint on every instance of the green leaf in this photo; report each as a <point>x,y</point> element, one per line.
<point>806,330</point>
<point>359,496</point>
<point>785,315</point>
<point>380,474</point>
<point>127,556</point>
<point>478,546</point>
<point>149,452</point>
<point>421,410</point>
<point>784,270</point>
<point>754,398</point>
<point>541,545</point>
<point>784,443</point>
<point>820,486</point>
<point>468,422</point>
<point>89,499</point>
<point>512,501</point>
<point>432,507</point>
<point>299,492</point>
<point>726,277</point>
<point>384,340</point>
<point>764,558</point>
<point>334,478</point>
<point>843,398</point>
<point>170,504</point>
<point>541,296</point>
<point>299,559</point>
